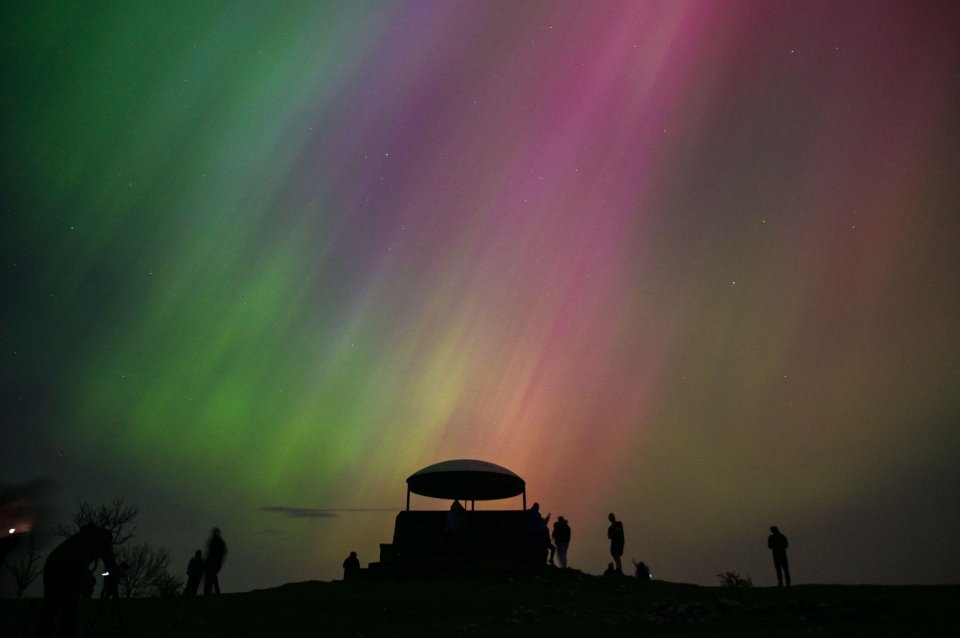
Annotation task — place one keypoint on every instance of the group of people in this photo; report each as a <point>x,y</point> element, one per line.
<point>541,536</point>
<point>776,542</point>
<point>67,575</point>
<point>561,537</point>
<point>548,545</point>
<point>208,569</point>
<point>540,541</point>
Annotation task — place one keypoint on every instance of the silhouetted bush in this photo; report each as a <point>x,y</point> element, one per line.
<point>733,579</point>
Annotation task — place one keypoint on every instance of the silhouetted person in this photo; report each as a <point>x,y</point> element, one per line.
<point>65,573</point>
<point>453,524</point>
<point>111,582</point>
<point>351,567</point>
<point>194,574</point>
<point>610,570</point>
<point>111,589</point>
<point>561,539</point>
<point>777,543</point>
<point>89,585</point>
<point>538,532</point>
<point>216,553</point>
<point>615,534</point>
<point>643,572</point>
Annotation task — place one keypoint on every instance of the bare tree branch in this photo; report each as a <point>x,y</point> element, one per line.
<point>29,566</point>
<point>144,571</point>
<point>115,516</point>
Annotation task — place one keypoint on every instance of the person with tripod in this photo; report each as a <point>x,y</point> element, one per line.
<point>64,574</point>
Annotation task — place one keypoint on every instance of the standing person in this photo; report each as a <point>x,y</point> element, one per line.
<point>615,534</point>
<point>453,523</point>
<point>194,574</point>
<point>111,582</point>
<point>561,538</point>
<point>90,584</point>
<point>65,573</point>
<point>351,567</point>
<point>453,528</point>
<point>216,552</point>
<point>111,589</point>
<point>777,543</point>
<point>538,533</point>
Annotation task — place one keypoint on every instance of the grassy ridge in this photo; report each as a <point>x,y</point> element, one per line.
<point>554,604</point>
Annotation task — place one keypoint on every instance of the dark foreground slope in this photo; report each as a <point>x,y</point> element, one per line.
<point>555,604</point>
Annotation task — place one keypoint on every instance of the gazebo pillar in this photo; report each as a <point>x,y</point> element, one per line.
<point>408,499</point>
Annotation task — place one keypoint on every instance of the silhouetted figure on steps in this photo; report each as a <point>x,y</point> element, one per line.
<point>615,534</point>
<point>66,572</point>
<point>777,543</point>
<point>194,574</point>
<point>351,567</point>
<point>216,553</point>
<point>453,528</point>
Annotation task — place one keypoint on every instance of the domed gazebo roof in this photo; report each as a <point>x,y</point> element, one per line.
<point>467,480</point>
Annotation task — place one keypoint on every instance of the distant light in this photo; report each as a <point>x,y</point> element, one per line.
<point>105,574</point>
<point>13,530</point>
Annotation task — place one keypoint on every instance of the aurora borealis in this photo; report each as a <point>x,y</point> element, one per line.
<point>696,263</point>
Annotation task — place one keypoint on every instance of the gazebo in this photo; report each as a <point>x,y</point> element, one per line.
<point>424,540</point>
<point>466,480</point>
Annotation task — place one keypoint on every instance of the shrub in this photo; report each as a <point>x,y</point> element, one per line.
<point>733,579</point>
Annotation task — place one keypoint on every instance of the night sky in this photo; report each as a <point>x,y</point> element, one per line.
<point>695,263</point>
